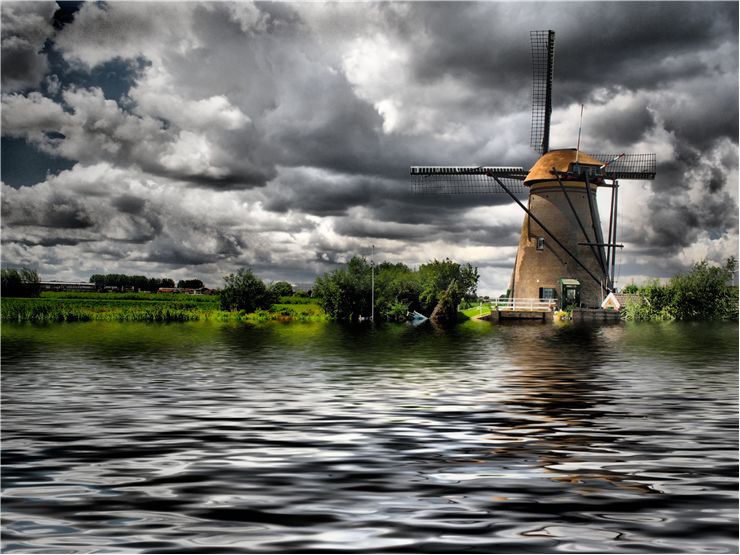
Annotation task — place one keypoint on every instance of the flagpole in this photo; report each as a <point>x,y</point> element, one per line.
<point>372,286</point>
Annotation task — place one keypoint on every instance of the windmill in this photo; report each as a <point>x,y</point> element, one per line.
<point>562,251</point>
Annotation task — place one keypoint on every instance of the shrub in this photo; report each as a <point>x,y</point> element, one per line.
<point>630,289</point>
<point>703,293</point>
<point>345,293</point>
<point>190,284</point>
<point>19,283</point>
<point>245,291</point>
<point>281,289</point>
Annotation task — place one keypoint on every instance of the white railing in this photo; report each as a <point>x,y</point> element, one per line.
<point>524,304</point>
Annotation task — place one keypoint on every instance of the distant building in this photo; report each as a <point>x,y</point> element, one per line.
<point>186,290</point>
<point>118,289</point>
<point>69,286</point>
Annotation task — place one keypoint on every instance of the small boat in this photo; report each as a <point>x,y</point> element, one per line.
<point>417,318</point>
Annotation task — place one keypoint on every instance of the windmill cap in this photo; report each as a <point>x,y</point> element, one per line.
<point>561,161</point>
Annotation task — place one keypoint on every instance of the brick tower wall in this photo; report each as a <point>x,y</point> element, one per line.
<point>544,268</point>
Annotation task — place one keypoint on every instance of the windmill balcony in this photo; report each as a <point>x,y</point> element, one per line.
<point>526,304</point>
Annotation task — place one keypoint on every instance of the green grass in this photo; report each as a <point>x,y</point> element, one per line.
<point>119,297</point>
<point>475,311</point>
<point>143,307</point>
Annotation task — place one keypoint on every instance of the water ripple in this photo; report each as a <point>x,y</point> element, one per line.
<point>195,438</point>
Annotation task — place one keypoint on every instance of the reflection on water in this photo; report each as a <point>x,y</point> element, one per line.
<point>318,437</point>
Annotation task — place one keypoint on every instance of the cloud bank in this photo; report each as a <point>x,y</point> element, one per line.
<point>202,137</point>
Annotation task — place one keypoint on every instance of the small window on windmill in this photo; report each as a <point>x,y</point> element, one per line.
<point>548,293</point>
<point>540,243</point>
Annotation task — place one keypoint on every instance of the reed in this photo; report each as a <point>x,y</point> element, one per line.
<point>79,307</point>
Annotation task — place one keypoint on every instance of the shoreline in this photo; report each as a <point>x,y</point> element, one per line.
<point>145,307</point>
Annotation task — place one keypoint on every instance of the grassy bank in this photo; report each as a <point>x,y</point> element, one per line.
<point>145,307</point>
<point>472,312</point>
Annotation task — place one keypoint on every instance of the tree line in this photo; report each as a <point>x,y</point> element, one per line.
<point>435,289</point>
<point>705,292</point>
<point>245,291</point>
<point>141,283</point>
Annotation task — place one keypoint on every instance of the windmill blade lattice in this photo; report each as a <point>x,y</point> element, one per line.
<point>467,180</point>
<point>628,166</point>
<point>543,63</point>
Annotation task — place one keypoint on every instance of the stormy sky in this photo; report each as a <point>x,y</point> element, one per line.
<point>192,139</point>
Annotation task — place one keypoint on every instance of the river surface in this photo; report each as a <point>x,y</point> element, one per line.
<point>210,438</point>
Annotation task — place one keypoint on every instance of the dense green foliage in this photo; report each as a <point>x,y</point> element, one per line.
<point>281,289</point>
<point>445,284</point>
<point>142,283</point>
<point>631,289</point>
<point>345,293</point>
<point>144,307</point>
<point>19,283</point>
<point>56,308</point>
<point>703,293</point>
<point>245,291</point>
<point>202,300</point>
<point>297,298</point>
<point>190,284</point>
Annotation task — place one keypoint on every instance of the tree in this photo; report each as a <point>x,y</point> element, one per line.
<point>19,283</point>
<point>630,289</point>
<point>705,292</point>
<point>190,284</point>
<point>142,283</point>
<point>281,289</point>
<point>345,293</point>
<point>397,291</point>
<point>245,291</point>
<point>447,282</point>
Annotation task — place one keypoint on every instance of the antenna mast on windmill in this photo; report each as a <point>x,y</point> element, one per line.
<point>562,252</point>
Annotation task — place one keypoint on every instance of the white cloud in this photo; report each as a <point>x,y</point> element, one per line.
<point>104,31</point>
<point>156,95</point>
<point>25,27</point>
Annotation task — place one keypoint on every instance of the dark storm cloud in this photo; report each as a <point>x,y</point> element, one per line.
<point>460,233</point>
<point>488,43</point>
<point>129,204</point>
<point>464,47</point>
<point>60,211</point>
<point>25,27</point>
<point>637,42</point>
<point>22,65</point>
<point>321,193</point>
<point>626,126</point>
<point>638,46</point>
<point>178,255</point>
<point>55,241</point>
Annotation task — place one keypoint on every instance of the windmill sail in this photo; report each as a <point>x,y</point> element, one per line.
<point>467,180</point>
<point>627,166</point>
<point>543,62</point>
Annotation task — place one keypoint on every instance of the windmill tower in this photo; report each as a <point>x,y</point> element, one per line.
<point>562,250</point>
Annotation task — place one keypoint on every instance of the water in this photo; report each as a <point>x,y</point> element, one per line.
<point>322,438</point>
